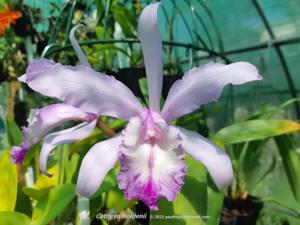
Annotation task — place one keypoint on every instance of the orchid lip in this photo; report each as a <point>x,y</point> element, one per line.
<point>152,162</point>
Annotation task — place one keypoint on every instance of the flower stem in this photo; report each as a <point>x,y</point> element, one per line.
<point>60,168</point>
<point>83,210</point>
<point>106,130</point>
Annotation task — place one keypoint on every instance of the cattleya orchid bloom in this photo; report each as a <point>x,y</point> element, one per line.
<point>150,149</point>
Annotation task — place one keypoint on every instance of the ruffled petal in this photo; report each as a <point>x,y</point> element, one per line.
<point>70,135</point>
<point>151,167</point>
<point>203,85</point>
<point>214,159</point>
<point>95,165</point>
<point>83,88</point>
<point>149,33</point>
<point>45,120</point>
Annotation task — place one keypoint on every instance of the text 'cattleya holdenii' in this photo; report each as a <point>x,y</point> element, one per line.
<point>150,149</point>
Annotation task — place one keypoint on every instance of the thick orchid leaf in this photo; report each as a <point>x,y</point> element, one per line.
<point>8,182</point>
<point>254,130</point>
<point>291,162</point>
<point>53,204</point>
<point>190,205</point>
<point>13,218</point>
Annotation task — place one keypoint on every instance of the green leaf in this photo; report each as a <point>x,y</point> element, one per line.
<point>31,154</point>
<point>99,30</point>
<point>254,130</point>
<point>268,114</point>
<point>13,218</point>
<point>8,182</point>
<point>127,21</point>
<point>24,204</point>
<point>259,182</point>
<point>292,210</point>
<point>116,200</point>
<point>70,167</point>
<point>13,135</point>
<point>291,162</point>
<point>214,203</point>
<point>250,153</point>
<point>53,204</point>
<point>191,202</point>
<point>62,18</point>
<point>36,194</point>
<point>103,222</point>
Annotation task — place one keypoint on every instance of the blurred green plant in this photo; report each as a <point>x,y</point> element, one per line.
<point>42,12</point>
<point>247,142</point>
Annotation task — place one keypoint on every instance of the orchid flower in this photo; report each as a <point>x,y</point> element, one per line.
<point>150,149</point>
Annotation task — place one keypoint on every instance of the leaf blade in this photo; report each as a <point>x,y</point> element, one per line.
<point>13,218</point>
<point>291,162</point>
<point>53,204</point>
<point>8,182</point>
<point>255,130</point>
